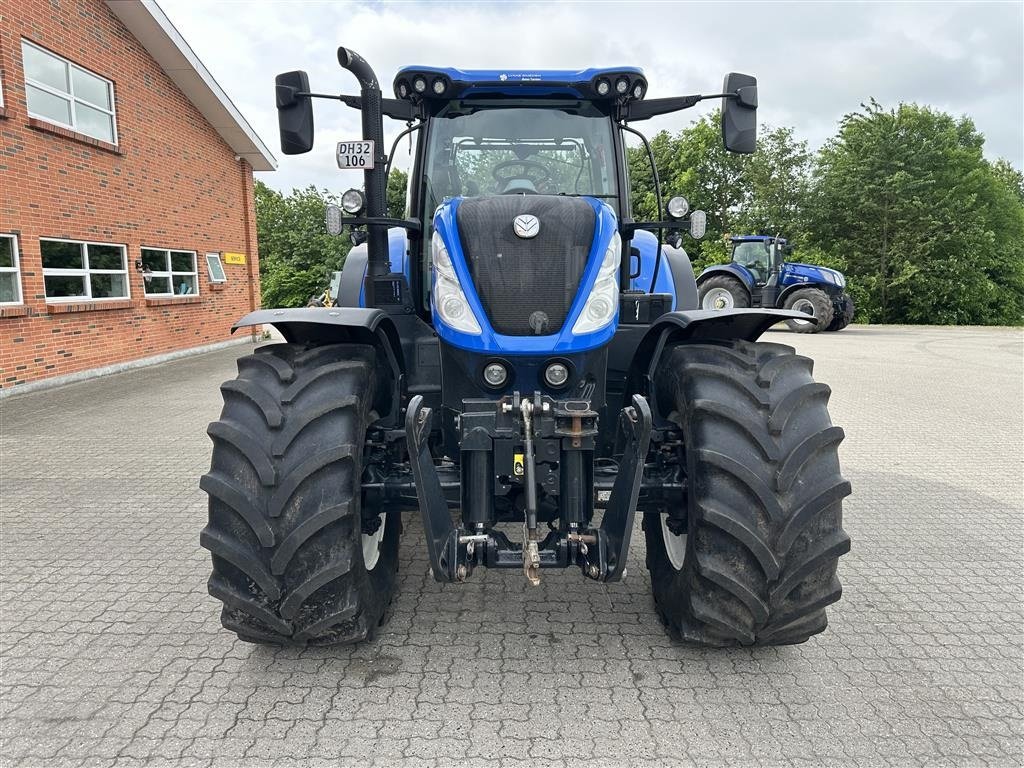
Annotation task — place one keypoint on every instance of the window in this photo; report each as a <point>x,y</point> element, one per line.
<point>169,273</point>
<point>65,94</point>
<point>216,269</point>
<point>89,271</point>
<point>10,279</point>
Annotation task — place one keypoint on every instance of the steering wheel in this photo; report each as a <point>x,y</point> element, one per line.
<point>534,172</point>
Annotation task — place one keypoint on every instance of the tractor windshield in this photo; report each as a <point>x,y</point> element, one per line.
<point>755,256</point>
<point>545,148</point>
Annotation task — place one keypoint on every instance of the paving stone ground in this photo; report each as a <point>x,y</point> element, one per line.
<point>112,652</point>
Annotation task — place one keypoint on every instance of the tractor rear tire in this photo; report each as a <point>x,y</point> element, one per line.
<point>816,300</point>
<point>843,313</point>
<point>752,559</point>
<point>294,561</point>
<point>723,287</point>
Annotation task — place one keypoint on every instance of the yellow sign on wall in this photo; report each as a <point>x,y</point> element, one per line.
<point>234,258</point>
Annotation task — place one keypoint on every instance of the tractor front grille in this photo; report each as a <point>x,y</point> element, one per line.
<point>526,286</point>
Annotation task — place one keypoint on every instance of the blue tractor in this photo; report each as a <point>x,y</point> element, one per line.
<point>525,366</point>
<point>760,276</point>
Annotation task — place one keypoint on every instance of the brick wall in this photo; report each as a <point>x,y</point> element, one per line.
<point>171,182</point>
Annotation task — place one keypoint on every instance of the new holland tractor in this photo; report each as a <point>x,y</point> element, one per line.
<point>525,366</point>
<point>758,275</point>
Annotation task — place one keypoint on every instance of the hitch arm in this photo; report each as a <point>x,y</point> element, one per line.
<point>442,537</point>
<point>617,524</point>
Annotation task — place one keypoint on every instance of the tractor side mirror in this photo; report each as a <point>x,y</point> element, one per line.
<point>294,112</point>
<point>739,113</point>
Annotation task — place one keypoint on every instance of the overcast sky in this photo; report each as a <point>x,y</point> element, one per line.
<point>814,61</point>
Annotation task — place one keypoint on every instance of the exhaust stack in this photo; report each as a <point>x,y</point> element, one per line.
<point>378,260</point>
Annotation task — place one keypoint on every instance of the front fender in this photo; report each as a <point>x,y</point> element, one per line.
<point>695,327</point>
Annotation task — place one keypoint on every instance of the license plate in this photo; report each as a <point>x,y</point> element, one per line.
<point>355,154</point>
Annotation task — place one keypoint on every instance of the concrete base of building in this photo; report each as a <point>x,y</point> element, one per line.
<point>127,365</point>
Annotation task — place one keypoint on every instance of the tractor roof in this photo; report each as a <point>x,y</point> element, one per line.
<point>755,238</point>
<point>416,83</point>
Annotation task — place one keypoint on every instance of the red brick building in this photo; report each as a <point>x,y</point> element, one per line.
<point>127,225</point>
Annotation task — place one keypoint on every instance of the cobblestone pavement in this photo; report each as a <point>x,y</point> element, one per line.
<point>112,652</point>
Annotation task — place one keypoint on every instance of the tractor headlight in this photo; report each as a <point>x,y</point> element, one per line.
<point>448,297</point>
<point>353,202</point>
<point>603,301</point>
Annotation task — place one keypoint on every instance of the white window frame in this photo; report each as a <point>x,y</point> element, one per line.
<point>85,272</point>
<point>170,273</point>
<point>69,96</point>
<point>15,270</point>
<point>209,268</point>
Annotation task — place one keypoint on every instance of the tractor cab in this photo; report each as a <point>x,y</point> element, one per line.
<point>763,257</point>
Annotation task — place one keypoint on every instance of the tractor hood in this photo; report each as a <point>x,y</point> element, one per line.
<point>526,266</point>
<point>814,274</point>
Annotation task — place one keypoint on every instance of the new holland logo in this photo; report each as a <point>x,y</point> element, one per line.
<point>526,226</point>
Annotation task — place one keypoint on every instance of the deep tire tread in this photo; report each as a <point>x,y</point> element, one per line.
<point>285,525</point>
<point>765,497</point>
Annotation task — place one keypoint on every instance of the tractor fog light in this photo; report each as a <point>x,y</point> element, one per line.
<point>678,207</point>
<point>403,89</point>
<point>556,374</point>
<point>495,374</point>
<point>621,85</point>
<point>603,87</point>
<point>419,85</point>
<point>438,86</point>
<point>638,90</point>
<point>353,202</point>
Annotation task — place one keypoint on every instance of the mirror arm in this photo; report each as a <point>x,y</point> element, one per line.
<point>393,108</point>
<point>644,110</point>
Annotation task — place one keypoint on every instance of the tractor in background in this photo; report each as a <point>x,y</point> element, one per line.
<point>758,275</point>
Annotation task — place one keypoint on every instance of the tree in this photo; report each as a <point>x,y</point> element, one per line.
<point>296,251</point>
<point>741,194</point>
<point>297,254</point>
<point>398,180</point>
<point>930,232</point>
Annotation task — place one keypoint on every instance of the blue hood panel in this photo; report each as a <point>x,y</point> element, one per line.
<point>491,342</point>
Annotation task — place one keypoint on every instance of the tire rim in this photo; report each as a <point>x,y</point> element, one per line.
<point>717,298</point>
<point>675,545</point>
<point>371,543</point>
<point>805,306</point>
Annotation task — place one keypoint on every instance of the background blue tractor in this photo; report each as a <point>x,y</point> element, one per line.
<point>524,365</point>
<point>760,276</point>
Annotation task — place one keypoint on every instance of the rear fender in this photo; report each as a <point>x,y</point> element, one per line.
<point>338,325</point>
<point>729,270</point>
<point>696,327</point>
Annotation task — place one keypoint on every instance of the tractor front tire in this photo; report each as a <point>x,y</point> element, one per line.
<point>722,292</point>
<point>844,311</point>
<point>814,302</point>
<point>295,561</point>
<point>752,558</point>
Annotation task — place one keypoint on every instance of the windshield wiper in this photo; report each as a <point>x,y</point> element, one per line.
<point>585,194</point>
